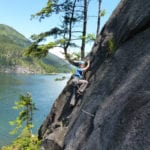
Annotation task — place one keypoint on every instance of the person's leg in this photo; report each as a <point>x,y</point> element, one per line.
<point>83,85</point>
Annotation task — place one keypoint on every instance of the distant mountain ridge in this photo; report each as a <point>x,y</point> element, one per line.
<point>8,34</point>
<point>12,46</point>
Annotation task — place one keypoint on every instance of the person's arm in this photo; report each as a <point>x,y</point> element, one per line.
<point>74,63</point>
<point>88,65</point>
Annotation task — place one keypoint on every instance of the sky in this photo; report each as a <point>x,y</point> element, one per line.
<point>17,14</point>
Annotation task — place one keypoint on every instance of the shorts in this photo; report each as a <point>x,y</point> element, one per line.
<point>75,80</point>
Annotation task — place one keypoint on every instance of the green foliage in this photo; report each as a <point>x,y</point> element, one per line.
<point>60,79</point>
<point>60,66</point>
<point>12,53</point>
<point>26,140</point>
<point>36,51</point>
<point>26,107</point>
<point>9,35</point>
<point>102,13</point>
<point>71,29</point>
<point>77,55</point>
<point>74,56</point>
<point>40,51</point>
<point>65,35</point>
<point>111,46</point>
<point>61,41</point>
<point>9,54</point>
<point>83,38</point>
<point>46,11</point>
<point>53,32</point>
<point>90,38</point>
<point>48,68</point>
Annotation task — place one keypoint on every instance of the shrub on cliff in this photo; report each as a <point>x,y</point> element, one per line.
<point>26,140</point>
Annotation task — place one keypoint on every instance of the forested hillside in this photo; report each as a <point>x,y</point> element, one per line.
<point>12,46</point>
<point>9,36</point>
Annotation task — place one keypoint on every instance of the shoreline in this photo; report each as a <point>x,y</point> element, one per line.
<point>16,69</point>
<point>23,70</point>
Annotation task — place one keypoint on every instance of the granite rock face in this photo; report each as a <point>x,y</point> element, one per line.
<point>114,112</point>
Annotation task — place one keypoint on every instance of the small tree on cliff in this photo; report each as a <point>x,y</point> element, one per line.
<point>70,14</point>
<point>72,27</point>
<point>26,107</point>
<point>26,140</point>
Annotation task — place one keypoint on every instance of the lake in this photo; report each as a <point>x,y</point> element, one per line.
<point>44,90</point>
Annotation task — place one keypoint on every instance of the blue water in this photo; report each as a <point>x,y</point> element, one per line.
<point>44,90</point>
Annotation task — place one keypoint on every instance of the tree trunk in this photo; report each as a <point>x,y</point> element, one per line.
<point>99,17</point>
<point>70,26</point>
<point>84,29</point>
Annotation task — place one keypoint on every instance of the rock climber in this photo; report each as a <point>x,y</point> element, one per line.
<point>78,76</point>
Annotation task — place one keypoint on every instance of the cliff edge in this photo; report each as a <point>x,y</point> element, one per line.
<point>114,112</point>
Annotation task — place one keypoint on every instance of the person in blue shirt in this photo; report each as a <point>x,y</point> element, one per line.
<point>78,76</point>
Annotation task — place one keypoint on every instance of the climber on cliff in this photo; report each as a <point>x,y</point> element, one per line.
<point>78,76</point>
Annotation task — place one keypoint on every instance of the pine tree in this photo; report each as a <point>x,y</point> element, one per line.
<point>26,140</point>
<point>26,107</point>
<point>72,30</point>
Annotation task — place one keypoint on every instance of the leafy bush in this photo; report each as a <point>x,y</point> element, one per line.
<point>111,46</point>
<point>26,140</point>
